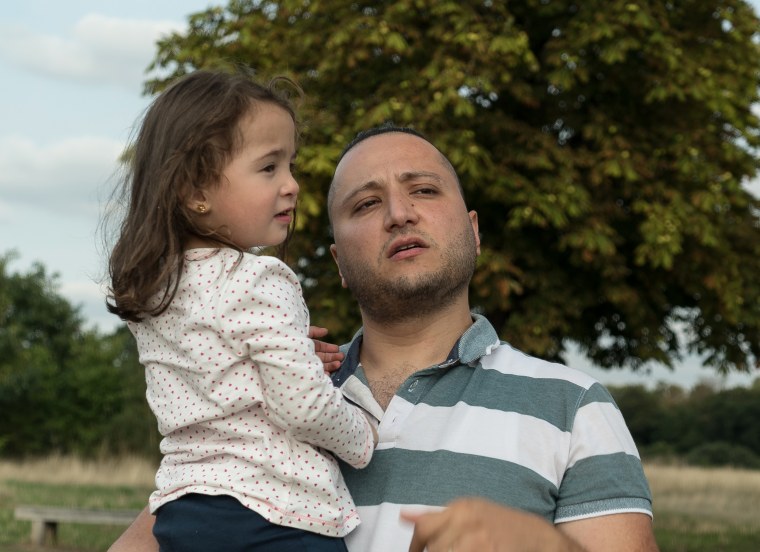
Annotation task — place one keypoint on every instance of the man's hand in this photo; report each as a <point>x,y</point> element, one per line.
<point>478,525</point>
<point>328,353</point>
<point>138,537</point>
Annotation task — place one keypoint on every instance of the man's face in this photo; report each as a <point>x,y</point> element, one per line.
<point>404,241</point>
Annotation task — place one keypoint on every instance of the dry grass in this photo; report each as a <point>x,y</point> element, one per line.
<point>125,471</point>
<point>714,496</point>
<point>696,509</point>
<point>714,493</point>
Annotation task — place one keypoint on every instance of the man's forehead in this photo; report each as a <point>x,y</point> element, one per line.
<point>393,155</point>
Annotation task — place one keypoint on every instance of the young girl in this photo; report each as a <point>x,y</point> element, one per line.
<point>241,399</point>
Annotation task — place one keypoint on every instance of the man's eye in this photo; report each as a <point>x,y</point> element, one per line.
<point>366,204</point>
<point>425,191</point>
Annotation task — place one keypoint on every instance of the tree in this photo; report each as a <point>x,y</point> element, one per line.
<point>642,410</point>
<point>603,143</point>
<point>37,332</point>
<point>697,424</point>
<point>63,388</point>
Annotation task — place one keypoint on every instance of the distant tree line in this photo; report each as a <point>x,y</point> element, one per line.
<point>64,389</point>
<point>704,426</point>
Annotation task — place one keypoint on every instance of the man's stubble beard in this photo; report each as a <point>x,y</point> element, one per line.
<point>403,298</point>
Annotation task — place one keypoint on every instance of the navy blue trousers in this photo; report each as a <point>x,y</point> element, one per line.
<point>204,523</point>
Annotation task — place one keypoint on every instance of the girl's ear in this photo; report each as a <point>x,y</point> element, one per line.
<point>197,202</point>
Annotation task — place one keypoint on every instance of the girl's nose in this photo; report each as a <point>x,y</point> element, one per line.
<point>291,187</point>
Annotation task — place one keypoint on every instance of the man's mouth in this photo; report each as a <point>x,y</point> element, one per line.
<point>405,244</point>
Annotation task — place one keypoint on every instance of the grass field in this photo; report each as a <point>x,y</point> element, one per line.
<point>696,509</point>
<point>64,481</point>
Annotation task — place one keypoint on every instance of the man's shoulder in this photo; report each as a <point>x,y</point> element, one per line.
<point>507,359</point>
<point>480,345</point>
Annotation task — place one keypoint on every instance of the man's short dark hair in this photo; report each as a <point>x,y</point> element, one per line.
<point>381,129</point>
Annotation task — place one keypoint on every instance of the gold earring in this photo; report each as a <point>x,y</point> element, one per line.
<point>201,208</point>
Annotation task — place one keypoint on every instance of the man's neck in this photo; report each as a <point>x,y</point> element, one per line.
<point>417,343</point>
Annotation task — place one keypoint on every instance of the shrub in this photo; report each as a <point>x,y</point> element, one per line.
<point>660,452</point>
<point>723,454</point>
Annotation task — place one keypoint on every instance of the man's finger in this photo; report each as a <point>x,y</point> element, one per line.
<point>426,527</point>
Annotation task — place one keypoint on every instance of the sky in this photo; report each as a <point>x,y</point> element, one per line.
<point>72,76</point>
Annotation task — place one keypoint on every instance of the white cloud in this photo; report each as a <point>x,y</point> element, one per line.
<point>89,296</point>
<point>98,49</point>
<point>753,187</point>
<point>68,175</point>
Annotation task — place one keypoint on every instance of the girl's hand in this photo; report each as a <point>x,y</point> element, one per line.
<point>328,353</point>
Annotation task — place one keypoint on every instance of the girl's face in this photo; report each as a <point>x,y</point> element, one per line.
<point>254,203</point>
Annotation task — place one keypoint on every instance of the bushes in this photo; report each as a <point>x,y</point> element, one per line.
<point>63,388</point>
<point>704,427</point>
<point>723,454</point>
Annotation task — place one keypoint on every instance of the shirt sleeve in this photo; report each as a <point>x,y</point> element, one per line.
<point>298,395</point>
<point>605,475</point>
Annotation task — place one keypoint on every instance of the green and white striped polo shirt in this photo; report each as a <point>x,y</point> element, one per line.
<point>495,423</point>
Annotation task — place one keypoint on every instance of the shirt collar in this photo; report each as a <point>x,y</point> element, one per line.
<point>478,340</point>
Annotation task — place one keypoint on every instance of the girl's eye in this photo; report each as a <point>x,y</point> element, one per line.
<point>269,168</point>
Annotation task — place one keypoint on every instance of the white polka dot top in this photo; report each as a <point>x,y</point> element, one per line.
<point>242,400</point>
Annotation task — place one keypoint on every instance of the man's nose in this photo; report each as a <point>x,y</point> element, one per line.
<point>400,211</point>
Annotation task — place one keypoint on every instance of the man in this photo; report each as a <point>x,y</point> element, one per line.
<point>481,448</point>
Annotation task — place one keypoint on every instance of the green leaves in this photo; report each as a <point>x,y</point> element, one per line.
<point>62,388</point>
<point>602,143</point>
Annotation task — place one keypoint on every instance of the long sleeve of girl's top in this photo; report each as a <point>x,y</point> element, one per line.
<point>265,316</point>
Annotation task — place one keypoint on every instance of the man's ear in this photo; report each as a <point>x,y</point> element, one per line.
<point>474,223</point>
<point>334,253</point>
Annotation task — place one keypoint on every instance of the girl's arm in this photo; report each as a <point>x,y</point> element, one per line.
<point>272,322</point>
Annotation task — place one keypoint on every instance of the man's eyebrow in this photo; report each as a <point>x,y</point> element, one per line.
<point>414,175</point>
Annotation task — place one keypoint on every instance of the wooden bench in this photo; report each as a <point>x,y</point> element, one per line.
<point>45,519</point>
